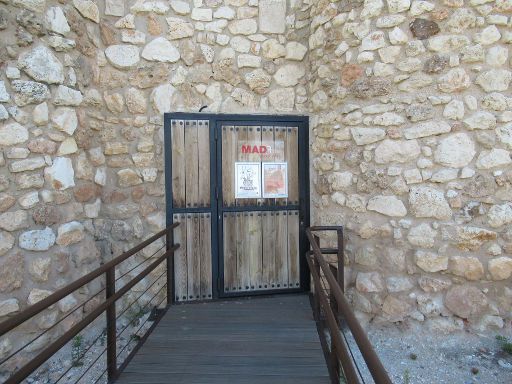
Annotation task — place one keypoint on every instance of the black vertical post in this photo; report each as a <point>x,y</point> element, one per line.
<point>317,309</point>
<point>341,261</point>
<point>169,242</point>
<point>111,326</point>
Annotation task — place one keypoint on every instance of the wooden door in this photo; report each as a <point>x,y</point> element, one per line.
<point>261,232</point>
<point>237,241</point>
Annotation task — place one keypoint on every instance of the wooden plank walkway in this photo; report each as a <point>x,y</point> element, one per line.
<point>267,340</point>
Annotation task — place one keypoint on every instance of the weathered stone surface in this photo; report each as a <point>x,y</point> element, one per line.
<point>469,267</point>
<point>400,151</point>
<point>29,92</point>
<point>371,87</point>
<point>387,205</point>
<point>433,284</point>
<point>14,220</point>
<point>128,178</point>
<point>61,174</point>
<point>27,164</point>
<point>394,309</point>
<point>42,65</point>
<point>468,238</point>
<point>37,294</point>
<point>12,268</point>
<point>56,21</point>
<point>65,120</point>
<point>423,28</point>
<point>114,7</point>
<point>494,80</point>
<point>161,49</point>
<point>430,261</point>
<point>422,236</point>
<point>39,268</point>
<point>429,202</point>
<point>500,268</point>
<point>289,75</point>
<point>494,158</point>
<point>427,129</point>
<point>70,233</point>
<point>258,80</point>
<point>88,9</point>
<point>435,64</point>
<point>8,307</point>
<point>363,136</point>
<point>123,56</point>
<point>13,133</point>
<point>136,101</point>
<point>455,151</point>
<point>179,28</point>
<point>161,98</point>
<point>272,14</point>
<point>481,120</point>
<point>455,80</point>
<point>499,215</point>
<point>6,242</point>
<point>465,301</point>
<point>282,99</point>
<point>243,27</point>
<point>369,282</point>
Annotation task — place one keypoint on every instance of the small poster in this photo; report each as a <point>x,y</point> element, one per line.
<point>275,180</point>
<point>247,180</point>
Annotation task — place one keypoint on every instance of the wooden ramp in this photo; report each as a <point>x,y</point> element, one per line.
<point>270,340</point>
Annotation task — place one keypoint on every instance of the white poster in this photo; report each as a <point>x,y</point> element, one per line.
<point>247,180</point>
<point>275,180</point>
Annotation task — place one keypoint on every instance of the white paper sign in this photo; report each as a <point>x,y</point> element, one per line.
<point>275,180</point>
<point>247,180</point>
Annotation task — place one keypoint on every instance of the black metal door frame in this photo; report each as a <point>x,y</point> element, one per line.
<point>216,209</point>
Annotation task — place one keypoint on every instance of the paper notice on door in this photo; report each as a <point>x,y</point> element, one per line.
<point>275,180</point>
<point>247,180</point>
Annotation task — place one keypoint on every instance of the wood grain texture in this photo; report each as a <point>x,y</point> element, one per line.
<point>203,147</point>
<point>271,340</point>
<point>242,261</point>
<point>230,255</point>
<point>205,246</point>
<point>178,163</point>
<point>180,258</point>
<point>191,164</point>
<point>281,249</point>
<point>292,158</point>
<point>254,250</point>
<point>268,251</point>
<point>293,250</point>
<point>228,165</point>
<point>241,138</point>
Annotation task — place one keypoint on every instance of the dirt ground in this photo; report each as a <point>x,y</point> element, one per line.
<point>414,356</point>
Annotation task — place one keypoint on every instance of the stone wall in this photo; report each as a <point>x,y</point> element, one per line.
<point>411,120</point>
<point>83,88</point>
<point>411,133</point>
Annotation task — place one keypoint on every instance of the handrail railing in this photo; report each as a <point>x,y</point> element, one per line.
<point>336,306</point>
<point>108,306</point>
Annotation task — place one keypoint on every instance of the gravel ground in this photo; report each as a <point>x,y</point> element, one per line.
<point>414,356</point>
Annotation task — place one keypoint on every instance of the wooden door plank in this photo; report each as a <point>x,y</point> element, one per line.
<point>292,158</point>
<point>254,250</point>
<point>180,258</point>
<point>281,247</point>
<point>203,146</point>
<point>178,163</point>
<point>193,257</point>
<point>230,255</point>
<point>253,139</point>
<point>228,165</point>
<point>268,251</point>
<point>191,164</point>
<point>280,151</point>
<point>293,250</point>
<point>267,139</point>
<point>241,139</point>
<point>206,256</point>
<point>242,266</point>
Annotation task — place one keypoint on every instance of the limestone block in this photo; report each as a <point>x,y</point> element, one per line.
<point>272,16</point>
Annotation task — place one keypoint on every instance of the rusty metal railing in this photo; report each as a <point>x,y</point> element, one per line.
<point>330,306</point>
<point>108,306</point>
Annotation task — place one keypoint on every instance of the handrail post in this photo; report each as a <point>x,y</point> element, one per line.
<point>316,310</point>
<point>169,242</point>
<point>341,261</point>
<point>111,325</point>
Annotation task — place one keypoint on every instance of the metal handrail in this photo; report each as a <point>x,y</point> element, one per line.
<point>338,305</point>
<point>108,306</point>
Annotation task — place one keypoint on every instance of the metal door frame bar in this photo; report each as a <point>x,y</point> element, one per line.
<point>215,123</point>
